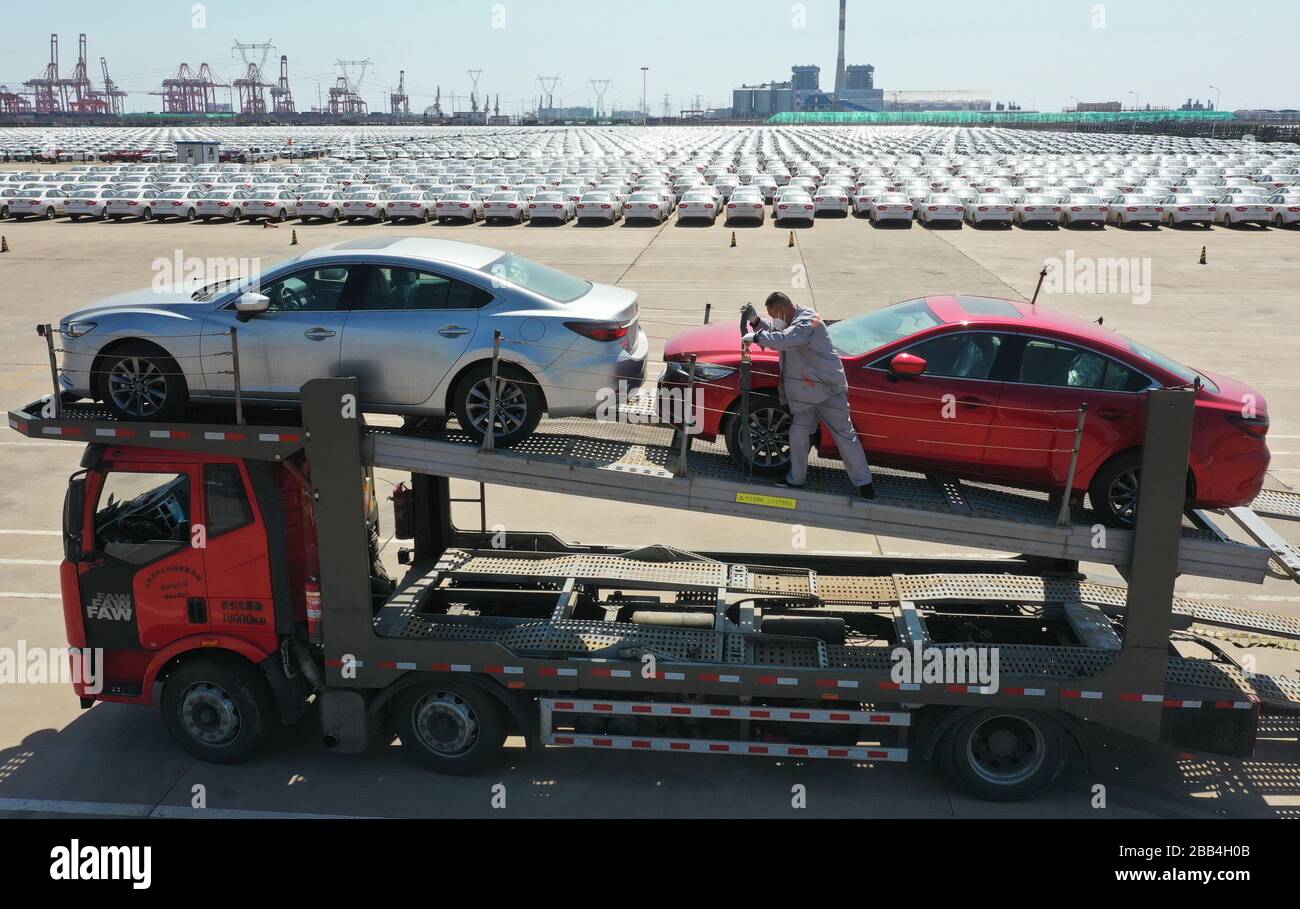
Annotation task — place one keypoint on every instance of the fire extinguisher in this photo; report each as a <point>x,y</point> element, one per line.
<point>313,610</point>
<point>403,512</point>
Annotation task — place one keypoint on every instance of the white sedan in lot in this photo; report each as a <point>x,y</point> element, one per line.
<point>87,203</point>
<point>38,202</point>
<point>599,206</point>
<point>1286,209</point>
<point>1189,209</point>
<point>746,204</point>
<point>222,202</point>
<point>411,205</point>
<point>1084,208</point>
<point>990,208</point>
<point>1038,209</point>
<point>506,206</point>
<point>324,204</point>
<point>699,205</point>
<point>1237,209</point>
<point>892,207</point>
<point>551,206</point>
<point>365,205</point>
<point>1136,208</point>
<point>461,205</point>
<point>131,203</point>
<point>271,203</point>
<point>792,205</point>
<point>941,208</point>
<point>831,198</point>
<point>646,206</point>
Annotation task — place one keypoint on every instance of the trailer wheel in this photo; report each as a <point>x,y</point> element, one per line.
<point>450,728</point>
<point>1004,754</point>
<point>220,711</point>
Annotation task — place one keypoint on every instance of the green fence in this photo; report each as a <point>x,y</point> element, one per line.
<point>994,118</point>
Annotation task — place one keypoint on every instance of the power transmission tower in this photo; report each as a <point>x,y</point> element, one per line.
<point>474,75</point>
<point>548,84</point>
<point>600,86</point>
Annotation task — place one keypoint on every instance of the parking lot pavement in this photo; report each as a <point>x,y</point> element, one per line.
<point>1234,315</point>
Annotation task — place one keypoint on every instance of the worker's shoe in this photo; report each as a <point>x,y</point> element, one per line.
<point>788,485</point>
<point>868,491</point>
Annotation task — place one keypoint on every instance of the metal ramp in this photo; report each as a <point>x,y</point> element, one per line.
<point>606,461</point>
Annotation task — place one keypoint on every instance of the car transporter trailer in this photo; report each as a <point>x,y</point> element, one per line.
<point>654,648</point>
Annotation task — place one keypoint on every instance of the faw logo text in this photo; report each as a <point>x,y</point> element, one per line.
<point>114,607</point>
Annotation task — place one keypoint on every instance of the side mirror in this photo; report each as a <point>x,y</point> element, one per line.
<point>74,501</point>
<point>906,364</point>
<point>249,304</point>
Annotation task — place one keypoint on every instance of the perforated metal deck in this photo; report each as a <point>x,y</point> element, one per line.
<point>635,464</point>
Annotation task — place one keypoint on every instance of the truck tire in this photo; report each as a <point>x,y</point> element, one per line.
<point>769,422</point>
<point>519,404</point>
<point>1004,754</point>
<point>138,381</point>
<point>450,728</point>
<point>219,710</point>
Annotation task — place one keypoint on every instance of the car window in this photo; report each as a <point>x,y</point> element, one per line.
<point>313,290</point>
<point>962,355</point>
<point>864,333</point>
<point>1066,366</point>
<point>225,499</point>
<point>141,517</point>
<point>390,289</point>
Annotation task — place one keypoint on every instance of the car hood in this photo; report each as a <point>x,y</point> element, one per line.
<point>167,300</point>
<point>718,342</point>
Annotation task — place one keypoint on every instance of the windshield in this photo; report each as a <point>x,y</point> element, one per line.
<point>540,279</point>
<point>861,334</point>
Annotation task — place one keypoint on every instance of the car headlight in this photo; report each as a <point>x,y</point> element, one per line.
<point>76,329</point>
<point>676,371</point>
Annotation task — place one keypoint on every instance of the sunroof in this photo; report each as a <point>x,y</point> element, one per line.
<point>988,306</point>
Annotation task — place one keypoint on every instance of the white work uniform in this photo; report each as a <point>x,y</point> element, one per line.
<point>814,388</point>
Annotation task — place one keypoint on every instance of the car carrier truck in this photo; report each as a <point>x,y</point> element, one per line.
<point>228,571</point>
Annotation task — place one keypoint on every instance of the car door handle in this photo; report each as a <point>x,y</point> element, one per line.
<point>1111,413</point>
<point>453,331</point>
<point>318,334</point>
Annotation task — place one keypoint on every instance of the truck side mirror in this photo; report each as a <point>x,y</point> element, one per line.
<point>74,510</point>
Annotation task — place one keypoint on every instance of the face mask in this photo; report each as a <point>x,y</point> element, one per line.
<point>778,324</point>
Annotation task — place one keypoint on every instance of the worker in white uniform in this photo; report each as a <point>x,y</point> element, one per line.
<point>812,386</point>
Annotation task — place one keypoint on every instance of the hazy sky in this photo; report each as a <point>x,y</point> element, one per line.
<point>1034,52</point>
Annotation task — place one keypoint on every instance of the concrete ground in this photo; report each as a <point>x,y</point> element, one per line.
<point>1234,315</point>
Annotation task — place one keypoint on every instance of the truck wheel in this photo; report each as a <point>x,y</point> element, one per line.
<point>1004,754</point>
<point>220,711</point>
<point>519,404</point>
<point>140,382</point>
<point>769,434</point>
<point>450,728</point>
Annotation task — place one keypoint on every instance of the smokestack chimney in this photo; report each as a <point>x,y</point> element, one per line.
<point>839,61</point>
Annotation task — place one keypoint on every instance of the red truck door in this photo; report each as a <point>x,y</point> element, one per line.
<point>142,582</point>
<point>236,553</point>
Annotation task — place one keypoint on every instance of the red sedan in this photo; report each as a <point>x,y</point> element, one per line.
<point>990,390</point>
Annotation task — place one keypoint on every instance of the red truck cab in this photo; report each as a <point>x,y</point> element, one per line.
<point>173,554</point>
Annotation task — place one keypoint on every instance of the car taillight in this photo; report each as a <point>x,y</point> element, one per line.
<point>1241,208</point>
<point>604,205</point>
<point>224,204</point>
<point>1183,208</point>
<point>600,331</point>
<point>464,205</point>
<point>1256,426</point>
<point>982,208</point>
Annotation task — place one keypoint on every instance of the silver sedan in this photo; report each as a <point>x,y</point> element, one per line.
<point>413,319</point>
